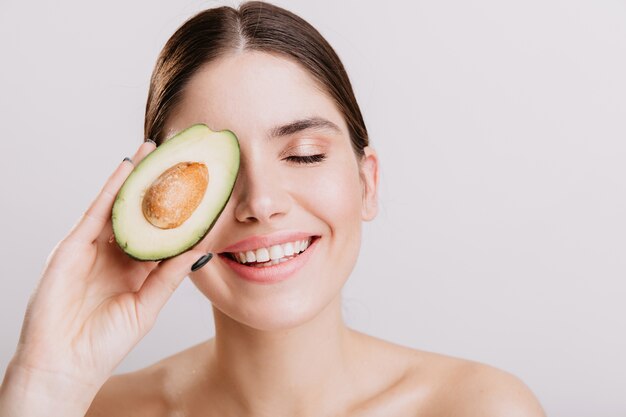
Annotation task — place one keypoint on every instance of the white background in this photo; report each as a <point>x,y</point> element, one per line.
<point>502,133</point>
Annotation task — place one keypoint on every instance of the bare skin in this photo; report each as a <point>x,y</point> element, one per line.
<point>283,349</point>
<point>280,348</point>
<point>384,380</point>
<point>92,305</point>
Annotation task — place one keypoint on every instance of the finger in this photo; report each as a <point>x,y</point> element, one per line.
<point>143,151</point>
<point>95,218</point>
<point>163,281</point>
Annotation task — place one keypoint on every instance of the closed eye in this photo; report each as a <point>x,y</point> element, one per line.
<point>306,159</point>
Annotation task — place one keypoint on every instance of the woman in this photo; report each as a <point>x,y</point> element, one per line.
<point>307,180</point>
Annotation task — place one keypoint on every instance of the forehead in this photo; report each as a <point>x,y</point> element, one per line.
<point>251,91</point>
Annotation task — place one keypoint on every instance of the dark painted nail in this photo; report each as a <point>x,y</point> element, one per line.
<point>129,160</point>
<point>151,141</point>
<point>202,261</point>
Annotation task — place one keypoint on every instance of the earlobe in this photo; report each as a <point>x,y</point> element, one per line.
<point>369,183</point>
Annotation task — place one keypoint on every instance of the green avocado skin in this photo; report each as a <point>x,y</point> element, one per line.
<point>198,143</point>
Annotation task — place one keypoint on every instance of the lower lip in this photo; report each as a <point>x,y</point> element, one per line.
<point>274,273</point>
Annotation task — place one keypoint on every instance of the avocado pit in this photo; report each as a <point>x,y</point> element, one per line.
<point>173,197</point>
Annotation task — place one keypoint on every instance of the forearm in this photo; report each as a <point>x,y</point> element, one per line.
<point>29,393</point>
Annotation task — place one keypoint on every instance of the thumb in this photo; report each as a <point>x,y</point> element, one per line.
<point>163,281</point>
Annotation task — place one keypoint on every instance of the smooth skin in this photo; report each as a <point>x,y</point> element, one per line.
<point>92,305</point>
<point>280,349</point>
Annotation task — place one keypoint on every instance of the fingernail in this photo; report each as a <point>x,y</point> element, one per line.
<point>204,259</point>
<point>151,141</point>
<point>127,159</point>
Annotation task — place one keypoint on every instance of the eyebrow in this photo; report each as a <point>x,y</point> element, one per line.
<point>296,126</point>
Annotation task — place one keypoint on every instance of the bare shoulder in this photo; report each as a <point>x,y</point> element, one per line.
<point>467,389</point>
<point>132,394</point>
<point>475,389</point>
<point>146,392</point>
<point>431,384</point>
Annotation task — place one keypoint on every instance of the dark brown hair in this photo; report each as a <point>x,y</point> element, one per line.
<point>256,26</point>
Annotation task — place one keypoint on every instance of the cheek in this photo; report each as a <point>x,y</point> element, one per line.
<point>333,194</point>
<point>334,197</point>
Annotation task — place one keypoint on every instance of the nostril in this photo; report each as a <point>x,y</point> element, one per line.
<point>261,209</point>
<point>261,191</point>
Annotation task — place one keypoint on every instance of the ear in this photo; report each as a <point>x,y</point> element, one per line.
<point>368,167</point>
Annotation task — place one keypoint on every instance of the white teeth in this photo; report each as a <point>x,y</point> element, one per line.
<point>272,255</point>
<point>262,255</point>
<point>288,248</point>
<point>276,252</point>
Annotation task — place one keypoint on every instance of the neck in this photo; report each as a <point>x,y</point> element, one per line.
<point>281,372</point>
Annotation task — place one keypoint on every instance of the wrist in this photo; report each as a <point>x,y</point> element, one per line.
<point>27,392</point>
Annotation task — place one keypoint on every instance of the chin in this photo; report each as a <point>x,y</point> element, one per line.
<point>281,306</point>
<point>300,295</point>
<point>277,317</point>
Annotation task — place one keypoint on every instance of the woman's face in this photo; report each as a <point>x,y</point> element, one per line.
<point>299,180</point>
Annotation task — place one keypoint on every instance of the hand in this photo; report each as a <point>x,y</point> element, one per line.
<point>91,307</point>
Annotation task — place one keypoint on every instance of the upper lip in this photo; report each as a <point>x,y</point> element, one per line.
<point>265,241</point>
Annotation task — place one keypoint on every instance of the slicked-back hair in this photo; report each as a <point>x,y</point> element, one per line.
<point>254,26</point>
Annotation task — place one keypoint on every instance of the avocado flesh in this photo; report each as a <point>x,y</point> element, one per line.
<point>140,239</point>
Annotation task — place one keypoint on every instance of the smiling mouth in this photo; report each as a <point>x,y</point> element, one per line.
<point>273,255</point>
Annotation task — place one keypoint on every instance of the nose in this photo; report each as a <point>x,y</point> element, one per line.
<point>260,194</point>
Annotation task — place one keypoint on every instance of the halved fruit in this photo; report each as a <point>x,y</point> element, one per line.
<point>174,195</point>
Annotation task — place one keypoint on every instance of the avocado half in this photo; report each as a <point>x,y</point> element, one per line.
<point>189,178</point>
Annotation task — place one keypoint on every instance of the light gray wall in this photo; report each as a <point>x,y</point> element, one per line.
<point>501,129</point>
